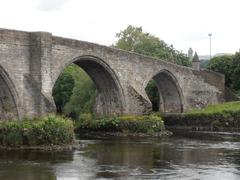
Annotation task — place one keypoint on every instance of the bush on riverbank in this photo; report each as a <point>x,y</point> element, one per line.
<point>225,115</point>
<point>132,124</point>
<point>49,130</point>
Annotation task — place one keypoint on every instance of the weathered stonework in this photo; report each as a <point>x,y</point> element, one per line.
<point>30,64</point>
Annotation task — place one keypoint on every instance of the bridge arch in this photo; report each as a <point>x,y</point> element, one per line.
<point>110,98</point>
<point>8,97</point>
<point>170,93</point>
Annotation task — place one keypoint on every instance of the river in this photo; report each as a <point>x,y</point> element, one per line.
<point>189,156</point>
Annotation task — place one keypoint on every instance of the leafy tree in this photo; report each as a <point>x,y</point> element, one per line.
<point>134,39</point>
<point>229,65</point>
<point>74,92</point>
<point>84,93</point>
<point>62,90</point>
<point>224,65</point>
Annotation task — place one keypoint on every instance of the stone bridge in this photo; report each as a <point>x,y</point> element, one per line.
<point>31,62</point>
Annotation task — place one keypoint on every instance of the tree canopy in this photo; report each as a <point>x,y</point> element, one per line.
<point>224,65</point>
<point>62,90</point>
<point>84,93</point>
<point>136,40</point>
<point>229,65</point>
<point>74,92</point>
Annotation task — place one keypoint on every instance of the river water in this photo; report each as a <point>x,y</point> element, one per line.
<point>190,156</point>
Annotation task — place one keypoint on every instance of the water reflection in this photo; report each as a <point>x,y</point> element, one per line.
<point>128,158</point>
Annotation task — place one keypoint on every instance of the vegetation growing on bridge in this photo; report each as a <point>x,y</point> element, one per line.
<point>127,124</point>
<point>49,130</point>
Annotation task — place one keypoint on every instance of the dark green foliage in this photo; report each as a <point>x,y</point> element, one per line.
<point>74,92</point>
<point>133,124</point>
<point>84,93</point>
<point>224,65</point>
<point>229,65</point>
<point>134,39</point>
<point>50,130</point>
<point>11,134</point>
<point>153,94</point>
<point>62,90</point>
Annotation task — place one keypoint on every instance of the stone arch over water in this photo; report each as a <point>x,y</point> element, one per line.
<point>170,93</point>
<point>110,99</point>
<point>8,97</point>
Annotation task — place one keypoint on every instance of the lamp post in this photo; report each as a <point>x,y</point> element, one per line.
<point>210,41</point>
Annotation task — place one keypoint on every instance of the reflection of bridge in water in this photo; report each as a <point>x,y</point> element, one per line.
<point>31,62</point>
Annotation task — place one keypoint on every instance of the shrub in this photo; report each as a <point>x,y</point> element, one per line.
<point>130,123</point>
<point>49,130</point>
<point>11,134</point>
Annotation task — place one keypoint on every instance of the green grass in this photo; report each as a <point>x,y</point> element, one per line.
<point>223,108</point>
<point>224,115</point>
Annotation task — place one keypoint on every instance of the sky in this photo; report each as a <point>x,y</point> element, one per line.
<point>182,23</point>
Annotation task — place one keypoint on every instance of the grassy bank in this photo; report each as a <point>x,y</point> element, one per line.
<point>215,117</point>
<point>224,109</point>
<point>127,124</point>
<point>49,130</point>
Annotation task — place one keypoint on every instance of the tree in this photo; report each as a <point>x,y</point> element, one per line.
<point>84,93</point>
<point>229,65</point>
<point>223,64</point>
<point>74,92</point>
<point>134,39</point>
<point>62,90</point>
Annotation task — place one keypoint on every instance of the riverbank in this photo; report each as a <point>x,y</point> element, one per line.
<point>46,132</point>
<point>57,133</point>
<point>131,125</point>
<point>220,117</point>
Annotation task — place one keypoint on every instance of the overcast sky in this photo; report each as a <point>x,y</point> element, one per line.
<point>182,23</point>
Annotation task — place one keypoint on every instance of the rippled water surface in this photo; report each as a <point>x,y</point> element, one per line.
<point>177,157</point>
